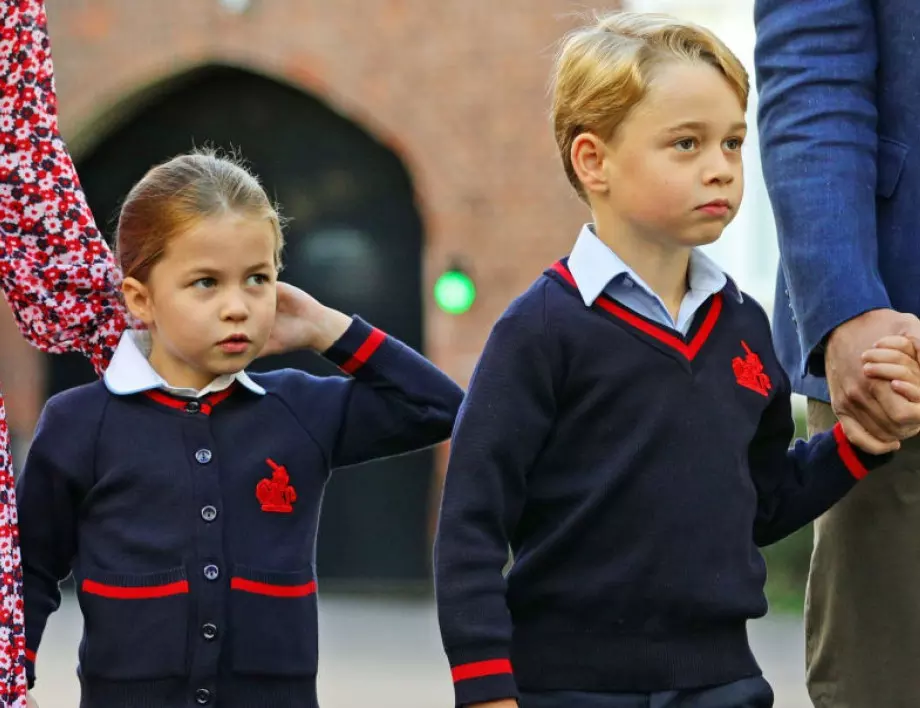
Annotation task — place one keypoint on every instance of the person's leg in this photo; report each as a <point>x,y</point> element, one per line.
<point>862,610</point>
<point>580,699</point>
<point>752,692</point>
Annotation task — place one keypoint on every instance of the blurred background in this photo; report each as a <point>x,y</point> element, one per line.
<point>408,143</point>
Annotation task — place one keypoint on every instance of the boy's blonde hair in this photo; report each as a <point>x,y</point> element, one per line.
<point>603,70</point>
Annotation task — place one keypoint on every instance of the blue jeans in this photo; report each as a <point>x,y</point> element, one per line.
<point>747,693</point>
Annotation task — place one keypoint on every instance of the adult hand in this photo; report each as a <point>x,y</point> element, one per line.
<point>874,417</point>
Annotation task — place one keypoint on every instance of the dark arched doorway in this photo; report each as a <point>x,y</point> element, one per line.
<point>354,241</point>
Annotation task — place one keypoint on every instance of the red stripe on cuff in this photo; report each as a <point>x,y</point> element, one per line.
<point>360,357</point>
<point>115,592</point>
<point>273,590</point>
<point>479,669</point>
<point>848,454</point>
<point>30,655</point>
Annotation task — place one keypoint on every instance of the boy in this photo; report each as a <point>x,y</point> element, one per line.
<point>627,428</point>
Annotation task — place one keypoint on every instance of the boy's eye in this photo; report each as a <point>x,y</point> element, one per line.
<point>685,144</point>
<point>734,144</point>
<point>204,283</point>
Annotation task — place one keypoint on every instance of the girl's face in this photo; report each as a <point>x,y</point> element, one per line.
<point>209,302</point>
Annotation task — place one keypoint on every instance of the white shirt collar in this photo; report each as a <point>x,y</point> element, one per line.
<point>594,265</point>
<point>130,372</point>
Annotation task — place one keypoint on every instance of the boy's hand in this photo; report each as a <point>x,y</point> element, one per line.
<point>895,359</point>
<point>31,702</point>
<point>302,322</point>
<point>504,703</point>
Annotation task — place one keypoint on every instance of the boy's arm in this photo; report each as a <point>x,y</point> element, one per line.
<point>48,494</point>
<point>795,486</point>
<point>397,402</point>
<point>501,429</point>
<point>56,271</point>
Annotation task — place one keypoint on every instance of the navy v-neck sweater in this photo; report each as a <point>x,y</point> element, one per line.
<point>633,473</point>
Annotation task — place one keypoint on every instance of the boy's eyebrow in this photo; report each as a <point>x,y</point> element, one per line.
<point>700,126</point>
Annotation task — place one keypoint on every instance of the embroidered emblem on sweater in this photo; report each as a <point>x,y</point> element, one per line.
<point>276,494</point>
<point>749,371</point>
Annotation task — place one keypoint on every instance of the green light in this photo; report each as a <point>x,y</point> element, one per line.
<point>454,292</point>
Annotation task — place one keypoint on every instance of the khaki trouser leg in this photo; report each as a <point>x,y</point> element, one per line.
<point>862,610</point>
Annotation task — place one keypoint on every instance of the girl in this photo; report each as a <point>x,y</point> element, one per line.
<point>183,493</point>
<point>56,271</point>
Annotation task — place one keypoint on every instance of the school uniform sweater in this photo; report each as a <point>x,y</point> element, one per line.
<point>190,523</point>
<point>633,472</point>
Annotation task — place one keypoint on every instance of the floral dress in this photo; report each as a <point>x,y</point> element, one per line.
<point>56,271</point>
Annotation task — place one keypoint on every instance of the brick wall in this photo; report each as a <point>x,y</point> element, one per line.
<point>456,87</point>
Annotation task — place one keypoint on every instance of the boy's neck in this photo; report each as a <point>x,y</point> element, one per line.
<point>665,268</point>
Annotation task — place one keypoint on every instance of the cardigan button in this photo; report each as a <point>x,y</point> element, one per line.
<point>209,631</point>
<point>192,407</point>
<point>202,696</point>
<point>208,513</point>
<point>203,456</point>
<point>211,572</point>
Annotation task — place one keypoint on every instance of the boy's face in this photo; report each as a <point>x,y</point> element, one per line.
<point>673,169</point>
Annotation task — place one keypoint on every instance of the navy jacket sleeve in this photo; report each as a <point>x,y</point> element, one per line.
<point>795,486</point>
<point>502,426</point>
<point>815,65</point>
<point>396,402</point>
<point>57,473</point>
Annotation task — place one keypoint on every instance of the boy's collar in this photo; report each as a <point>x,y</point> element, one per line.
<point>130,372</point>
<point>594,265</point>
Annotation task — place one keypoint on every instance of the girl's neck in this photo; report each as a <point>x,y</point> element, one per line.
<point>174,371</point>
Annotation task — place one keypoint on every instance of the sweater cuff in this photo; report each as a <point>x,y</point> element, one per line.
<point>30,668</point>
<point>857,462</point>
<point>356,347</point>
<point>483,681</point>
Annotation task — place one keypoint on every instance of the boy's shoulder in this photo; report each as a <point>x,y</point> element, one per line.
<point>547,293</point>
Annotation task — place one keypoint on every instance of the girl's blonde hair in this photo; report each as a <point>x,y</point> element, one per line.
<point>603,70</point>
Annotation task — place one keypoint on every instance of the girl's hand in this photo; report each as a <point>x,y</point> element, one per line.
<point>302,322</point>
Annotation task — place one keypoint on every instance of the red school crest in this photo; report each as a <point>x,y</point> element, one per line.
<point>749,371</point>
<point>276,494</point>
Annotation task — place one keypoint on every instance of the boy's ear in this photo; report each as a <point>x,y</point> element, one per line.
<point>137,300</point>
<point>588,155</point>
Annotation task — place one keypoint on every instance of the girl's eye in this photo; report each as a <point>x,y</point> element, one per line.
<point>204,283</point>
<point>685,144</point>
<point>259,279</point>
<point>733,144</point>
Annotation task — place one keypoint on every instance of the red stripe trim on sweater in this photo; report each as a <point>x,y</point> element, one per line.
<point>492,667</point>
<point>365,351</point>
<point>206,403</point>
<point>848,454</point>
<point>688,350</point>
<point>30,655</point>
<point>116,592</point>
<point>273,590</point>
